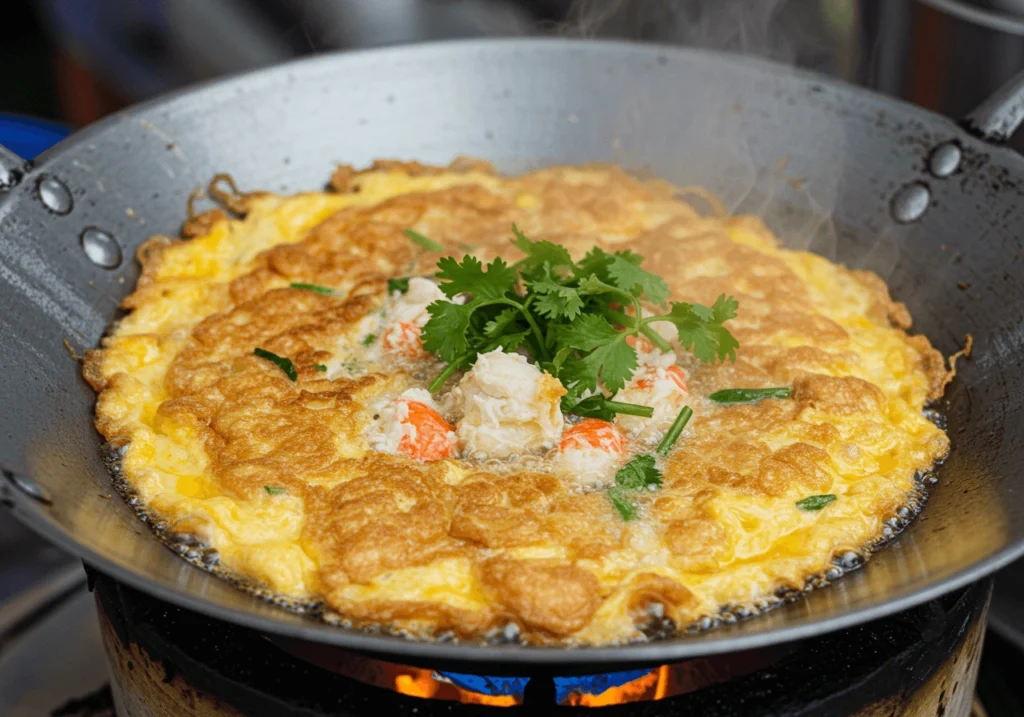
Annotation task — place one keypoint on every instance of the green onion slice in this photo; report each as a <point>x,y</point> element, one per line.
<point>749,395</point>
<point>311,287</point>
<point>622,504</point>
<point>815,502</point>
<point>284,364</point>
<point>424,241</point>
<point>676,430</point>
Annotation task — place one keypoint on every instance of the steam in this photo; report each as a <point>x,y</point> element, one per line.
<point>732,25</point>
<point>719,133</point>
<point>727,146</point>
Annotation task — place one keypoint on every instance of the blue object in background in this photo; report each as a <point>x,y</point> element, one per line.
<point>27,137</point>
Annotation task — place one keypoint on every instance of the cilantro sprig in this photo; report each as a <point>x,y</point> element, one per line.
<point>573,318</point>
<point>639,474</point>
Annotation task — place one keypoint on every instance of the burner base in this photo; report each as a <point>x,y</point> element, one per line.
<point>165,660</point>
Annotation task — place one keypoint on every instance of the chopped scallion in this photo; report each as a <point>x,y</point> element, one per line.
<point>622,503</point>
<point>748,395</point>
<point>629,409</point>
<point>424,241</point>
<point>675,431</point>
<point>815,502</point>
<point>311,287</point>
<point>284,364</point>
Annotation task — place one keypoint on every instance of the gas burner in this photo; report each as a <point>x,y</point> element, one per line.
<point>643,684</point>
<point>167,660</point>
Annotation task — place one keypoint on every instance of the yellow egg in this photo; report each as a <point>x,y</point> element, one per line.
<point>274,461</point>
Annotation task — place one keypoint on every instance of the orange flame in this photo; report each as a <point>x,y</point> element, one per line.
<point>660,683</point>
<point>421,685</point>
<point>640,689</point>
<point>417,682</point>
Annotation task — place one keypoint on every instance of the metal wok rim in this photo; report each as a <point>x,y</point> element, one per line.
<point>672,649</point>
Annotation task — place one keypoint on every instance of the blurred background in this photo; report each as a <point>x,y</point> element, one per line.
<point>66,63</point>
<point>75,61</point>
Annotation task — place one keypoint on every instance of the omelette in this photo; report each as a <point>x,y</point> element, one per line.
<point>269,396</point>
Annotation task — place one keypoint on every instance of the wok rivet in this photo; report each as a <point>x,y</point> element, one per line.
<point>54,195</point>
<point>29,487</point>
<point>910,202</point>
<point>101,248</point>
<point>945,159</point>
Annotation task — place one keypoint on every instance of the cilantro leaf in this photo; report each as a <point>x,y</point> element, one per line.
<point>445,333</point>
<point>507,342</point>
<point>556,363</point>
<point>639,474</point>
<point>399,285</point>
<point>613,362</point>
<point>610,358</point>
<point>591,285</point>
<point>469,277</point>
<point>541,253</point>
<point>506,320</point>
<point>274,489</point>
<point>556,301</point>
<point>595,262</point>
<point>725,308</point>
<point>587,333</point>
<point>624,269</point>
<point>700,328</point>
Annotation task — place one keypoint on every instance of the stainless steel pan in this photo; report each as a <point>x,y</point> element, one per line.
<point>927,213</point>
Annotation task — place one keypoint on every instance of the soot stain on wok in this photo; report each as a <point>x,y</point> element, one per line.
<point>192,549</point>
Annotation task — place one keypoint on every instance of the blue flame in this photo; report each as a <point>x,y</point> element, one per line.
<point>564,686</point>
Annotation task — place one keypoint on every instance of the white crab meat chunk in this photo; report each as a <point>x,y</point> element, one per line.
<point>661,387</point>
<point>400,332</point>
<point>591,451</point>
<point>410,424</point>
<point>509,406</point>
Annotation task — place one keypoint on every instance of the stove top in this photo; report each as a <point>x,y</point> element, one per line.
<point>921,659</point>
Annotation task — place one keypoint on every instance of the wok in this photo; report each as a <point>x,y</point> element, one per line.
<point>943,221</point>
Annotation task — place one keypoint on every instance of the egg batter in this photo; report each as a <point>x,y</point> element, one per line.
<point>333,476</point>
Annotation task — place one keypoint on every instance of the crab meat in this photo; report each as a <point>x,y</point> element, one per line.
<point>411,425</point>
<point>591,451</point>
<point>663,388</point>
<point>400,333</point>
<point>508,406</point>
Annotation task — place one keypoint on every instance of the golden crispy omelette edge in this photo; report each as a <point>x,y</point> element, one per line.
<point>150,256</point>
